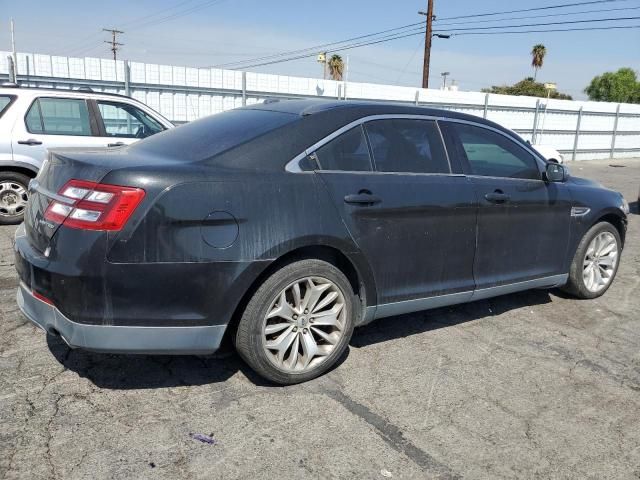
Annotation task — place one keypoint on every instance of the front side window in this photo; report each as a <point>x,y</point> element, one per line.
<point>126,121</point>
<point>59,116</point>
<point>407,145</point>
<point>347,152</point>
<point>490,154</point>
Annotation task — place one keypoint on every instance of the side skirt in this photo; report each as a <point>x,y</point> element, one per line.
<point>416,305</point>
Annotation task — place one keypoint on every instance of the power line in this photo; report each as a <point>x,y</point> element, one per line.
<point>549,7</point>
<point>564,14</point>
<point>289,56</point>
<point>421,32</point>
<point>148,21</point>
<point>566,22</point>
<point>579,29</point>
<point>320,47</point>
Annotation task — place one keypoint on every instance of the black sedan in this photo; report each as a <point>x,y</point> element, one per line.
<point>285,225</point>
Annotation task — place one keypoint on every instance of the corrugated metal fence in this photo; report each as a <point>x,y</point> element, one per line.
<point>580,130</point>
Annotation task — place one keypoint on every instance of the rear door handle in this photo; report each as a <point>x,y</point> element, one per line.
<point>362,198</point>
<point>31,141</point>
<point>117,144</point>
<point>497,197</point>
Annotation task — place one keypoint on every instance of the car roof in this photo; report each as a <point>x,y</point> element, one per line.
<point>358,108</point>
<point>54,92</point>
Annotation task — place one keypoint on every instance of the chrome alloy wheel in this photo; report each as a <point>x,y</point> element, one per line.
<point>600,262</point>
<point>13,198</point>
<point>304,324</point>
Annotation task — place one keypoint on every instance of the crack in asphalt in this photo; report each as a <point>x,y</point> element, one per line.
<point>394,437</point>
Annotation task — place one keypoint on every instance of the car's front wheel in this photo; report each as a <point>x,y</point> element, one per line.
<point>595,263</point>
<point>13,197</point>
<point>298,323</point>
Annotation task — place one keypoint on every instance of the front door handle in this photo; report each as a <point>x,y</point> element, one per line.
<point>31,141</point>
<point>362,198</point>
<point>117,144</point>
<point>497,197</point>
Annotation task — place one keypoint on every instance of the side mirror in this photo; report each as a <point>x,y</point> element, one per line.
<point>555,172</point>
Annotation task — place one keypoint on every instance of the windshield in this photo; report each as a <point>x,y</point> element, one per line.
<point>213,135</point>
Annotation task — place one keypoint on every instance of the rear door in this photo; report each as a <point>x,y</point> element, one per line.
<point>523,221</point>
<point>54,122</point>
<point>412,218</point>
<point>122,123</point>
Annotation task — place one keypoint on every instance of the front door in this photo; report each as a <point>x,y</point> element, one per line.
<point>523,221</point>
<point>412,218</point>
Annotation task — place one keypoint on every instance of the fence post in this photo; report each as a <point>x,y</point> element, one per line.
<point>417,97</point>
<point>575,140</point>
<point>127,79</point>
<point>534,134</point>
<point>12,70</point>
<point>244,89</point>
<point>615,131</point>
<point>486,105</point>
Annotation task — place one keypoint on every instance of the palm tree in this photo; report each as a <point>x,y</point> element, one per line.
<point>336,67</point>
<point>537,58</point>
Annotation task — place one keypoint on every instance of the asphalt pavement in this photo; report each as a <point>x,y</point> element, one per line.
<point>529,385</point>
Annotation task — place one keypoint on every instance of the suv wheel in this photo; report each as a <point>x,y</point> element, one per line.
<point>13,197</point>
<point>298,323</point>
<point>595,263</point>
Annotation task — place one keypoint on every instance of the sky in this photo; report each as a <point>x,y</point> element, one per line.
<point>203,33</point>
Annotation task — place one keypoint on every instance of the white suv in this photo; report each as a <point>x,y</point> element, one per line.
<point>33,120</point>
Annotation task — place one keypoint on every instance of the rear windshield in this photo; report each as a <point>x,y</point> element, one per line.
<point>210,136</point>
<point>5,100</point>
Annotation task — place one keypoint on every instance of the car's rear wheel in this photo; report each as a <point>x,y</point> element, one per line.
<point>298,323</point>
<point>595,263</point>
<point>13,197</point>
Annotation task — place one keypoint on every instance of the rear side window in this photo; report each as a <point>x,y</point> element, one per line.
<point>5,100</point>
<point>407,145</point>
<point>347,152</point>
<point>490,154</point>
<point>59,116</point>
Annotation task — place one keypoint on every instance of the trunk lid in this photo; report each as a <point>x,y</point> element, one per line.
<point>59,167</point>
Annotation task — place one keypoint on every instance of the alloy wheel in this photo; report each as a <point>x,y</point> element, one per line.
<point>600,262</point>
<point>13,198</point>
<point>304,324</point>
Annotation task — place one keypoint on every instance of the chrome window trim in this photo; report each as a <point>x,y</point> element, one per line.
<point>293,166</point>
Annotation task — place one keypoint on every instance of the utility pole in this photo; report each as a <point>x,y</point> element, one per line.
<point>427,43</point>
<point>113,43</point>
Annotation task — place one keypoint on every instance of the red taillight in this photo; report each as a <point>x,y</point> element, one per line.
<point>94,206</point>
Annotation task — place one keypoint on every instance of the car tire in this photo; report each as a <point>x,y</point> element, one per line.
<point>271,318</point>
<point>13,188</point>
<point>579,284</point>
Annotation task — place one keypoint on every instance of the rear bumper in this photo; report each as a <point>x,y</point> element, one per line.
<point>120,339</point>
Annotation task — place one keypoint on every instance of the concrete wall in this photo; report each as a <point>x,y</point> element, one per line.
<point>580,130</point>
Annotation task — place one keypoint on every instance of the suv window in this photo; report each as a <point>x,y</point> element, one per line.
<point>5,100</point>
<point>59,116</point>
<point>347,152</point>
<point>407,145</point>
<point>124,120</point>
<point>491,154</point>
